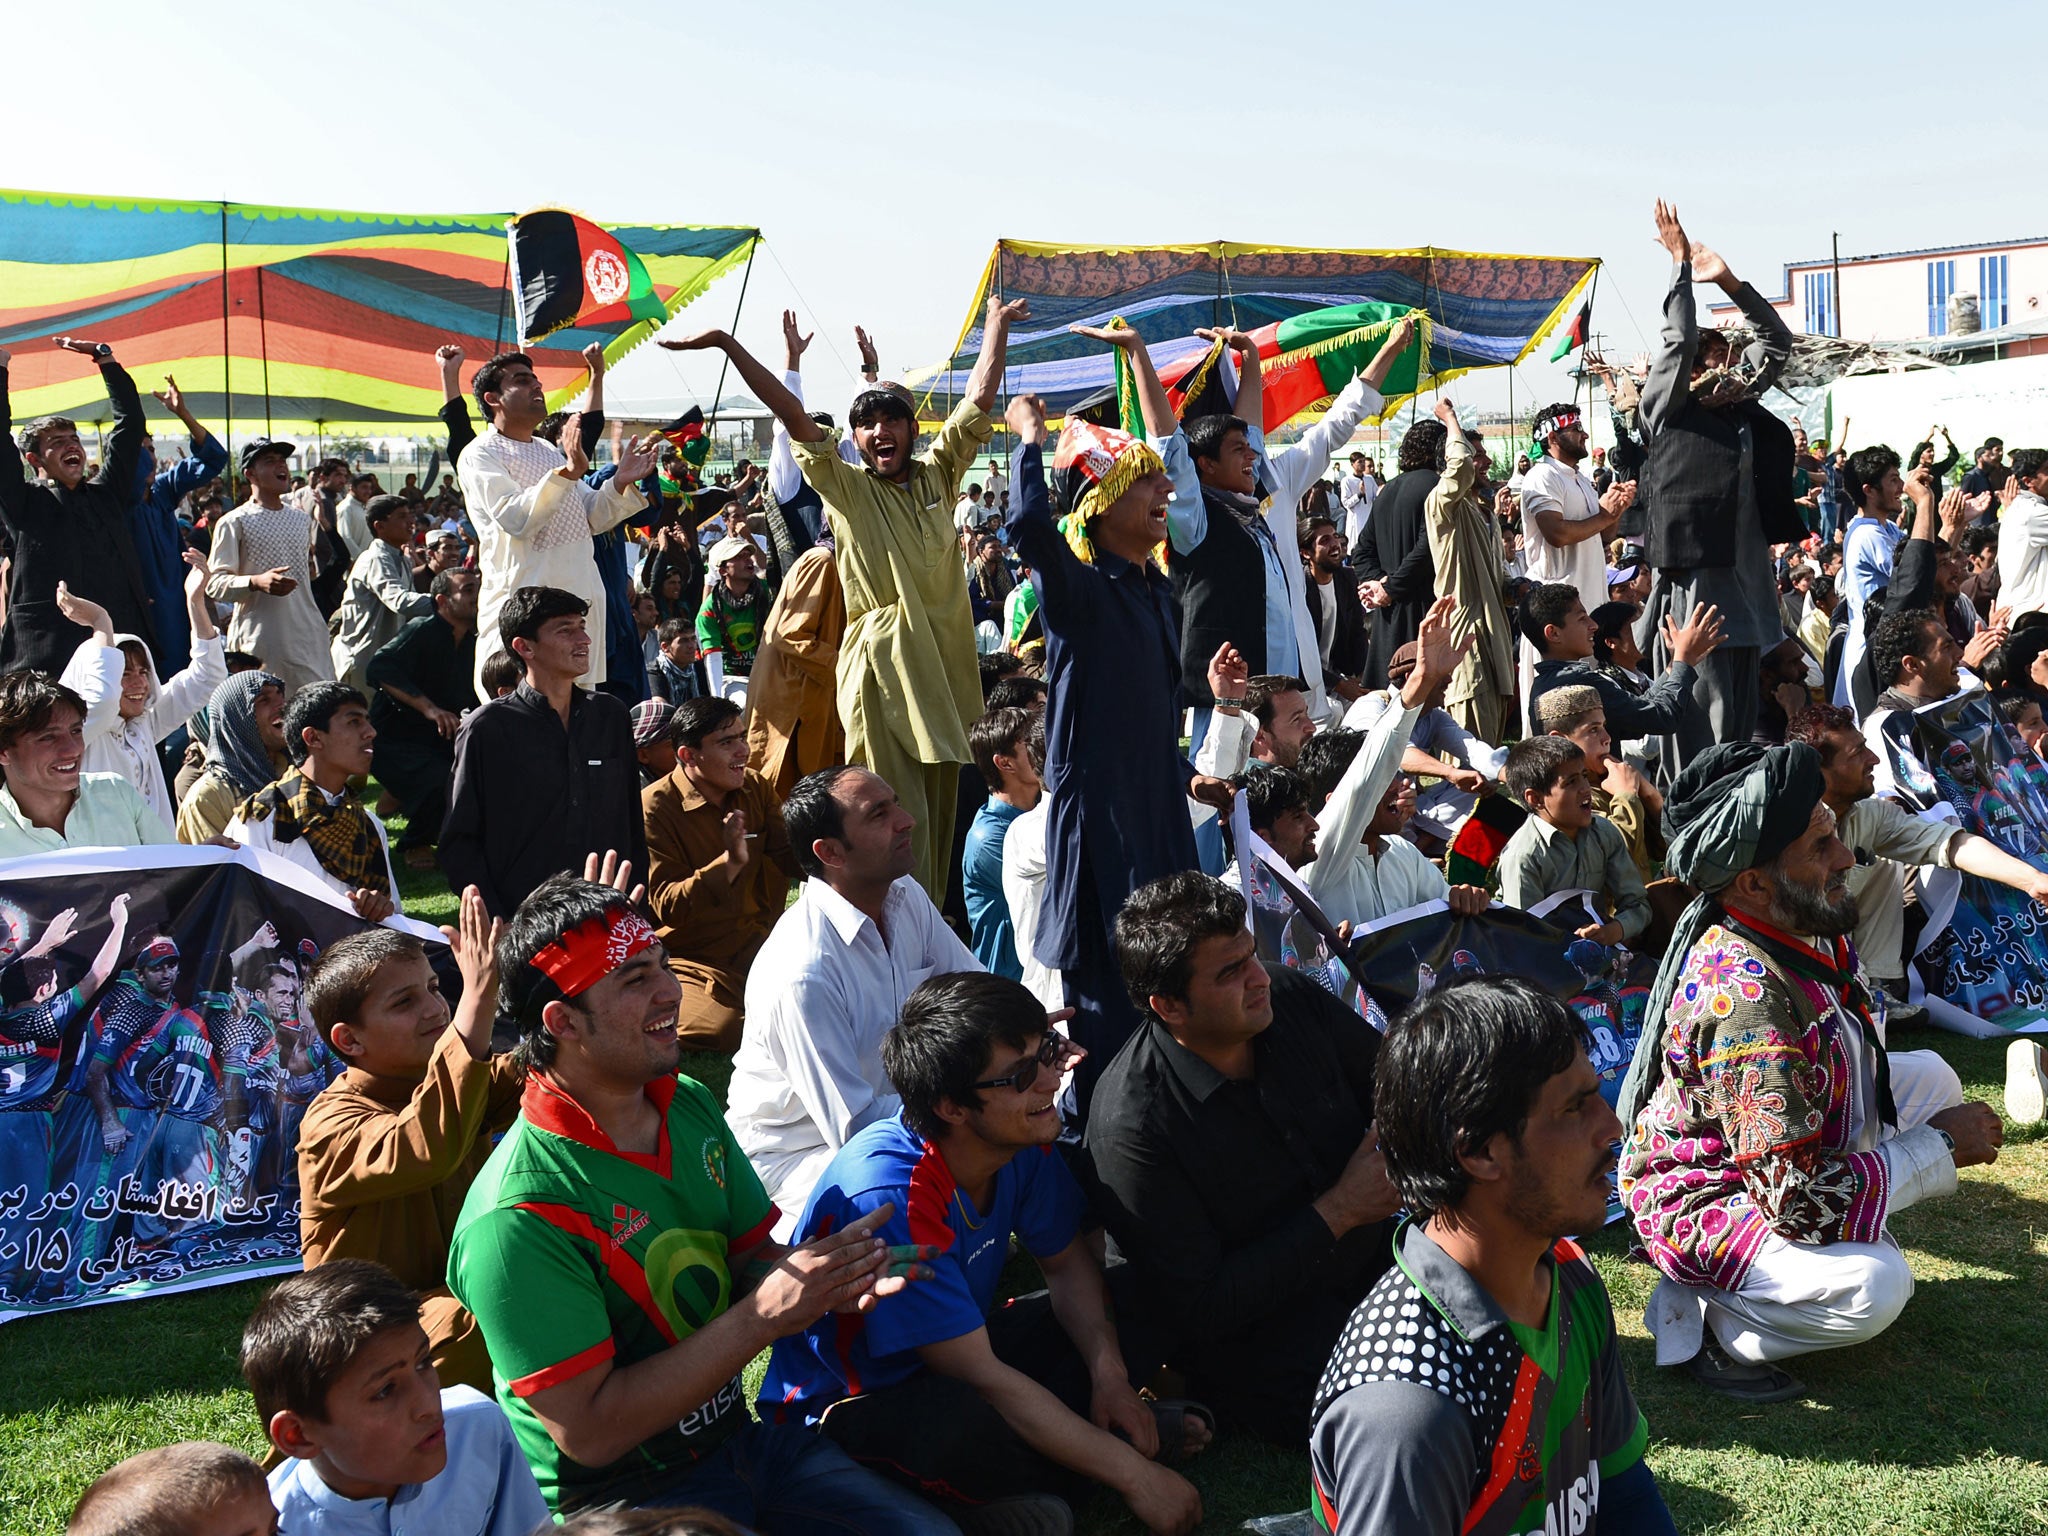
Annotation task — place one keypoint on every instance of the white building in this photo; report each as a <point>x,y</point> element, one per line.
<point>1905,296</point>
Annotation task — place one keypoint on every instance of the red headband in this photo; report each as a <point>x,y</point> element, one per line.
<point>592,950</point>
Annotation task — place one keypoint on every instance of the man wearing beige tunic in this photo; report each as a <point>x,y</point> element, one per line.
<point>793,727</point>
<point>1464,543</point>
<point>908,677</point>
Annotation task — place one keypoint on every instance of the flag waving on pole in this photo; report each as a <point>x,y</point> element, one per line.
<point>1574,336</point>
<point>568,271</point>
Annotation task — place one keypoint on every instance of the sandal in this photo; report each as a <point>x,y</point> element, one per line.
<point>1171,1414</point>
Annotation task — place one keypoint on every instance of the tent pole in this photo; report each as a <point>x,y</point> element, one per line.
<point>263,341</point>
<point>745,276</point>
<point>227,367</point>
<point>504,293</point>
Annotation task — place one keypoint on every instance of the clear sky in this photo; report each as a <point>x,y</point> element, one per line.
<point>883,149</point>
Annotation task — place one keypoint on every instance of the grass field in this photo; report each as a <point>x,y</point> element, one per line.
<point>1937,1427</point>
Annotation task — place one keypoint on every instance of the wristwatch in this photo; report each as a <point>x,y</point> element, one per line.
<point>101,352</point>
<point>1947,1140</point>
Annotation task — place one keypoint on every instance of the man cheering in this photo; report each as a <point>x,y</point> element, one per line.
<point>908,685</point>
<point>1771,1135</point>
<point>615,1253</point>
<point>68,528</point>
<point>535,517</point>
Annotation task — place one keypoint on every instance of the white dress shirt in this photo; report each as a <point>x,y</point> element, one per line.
<point>534,529</point>
<point>1024,891</point>
<point>2023,555</point>
<point>823,991</point>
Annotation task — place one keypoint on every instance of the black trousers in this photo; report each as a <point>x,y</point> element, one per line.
<point>937,1435</point>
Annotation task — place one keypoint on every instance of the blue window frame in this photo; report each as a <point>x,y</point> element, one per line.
<point>1820,303</point>
<point>1941,282</point>
<point>1993,293</point>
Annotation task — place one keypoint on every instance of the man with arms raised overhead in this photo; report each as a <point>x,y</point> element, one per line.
<point>614,1251</point>
<point>908,685</point>
<point>1479,1388</point>
<point>534,514</point>
<point>67,527</point>
<point>1771,1134</point>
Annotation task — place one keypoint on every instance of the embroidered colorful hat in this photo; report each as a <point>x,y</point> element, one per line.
<point>1092,466</point>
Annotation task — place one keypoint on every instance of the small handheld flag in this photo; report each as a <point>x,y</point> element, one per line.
<point>686,432</point>
<point>567,271</point>
<point>1574,336</point>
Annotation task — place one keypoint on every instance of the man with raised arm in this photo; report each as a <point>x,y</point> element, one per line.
<point>1719,484</point>
<point>69,528</point>
<point>1236,566</point>
<point>908,684</point>
<point>1115,777</point>
<point>535,516</point>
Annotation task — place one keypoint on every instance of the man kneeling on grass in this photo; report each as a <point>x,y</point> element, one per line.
<point>1771,1133</point>
<point>1004,1413</point>
<point>615,1252</point>
<point>1479,1387</point>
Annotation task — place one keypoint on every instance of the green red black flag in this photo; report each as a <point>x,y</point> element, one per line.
<point>567,271</point>
<point>686,432</point>
<point>1574,336</point>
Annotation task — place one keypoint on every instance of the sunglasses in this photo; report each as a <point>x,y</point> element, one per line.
<point>1055,1051</point>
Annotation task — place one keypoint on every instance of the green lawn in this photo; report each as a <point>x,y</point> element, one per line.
<point>1937,1427</point>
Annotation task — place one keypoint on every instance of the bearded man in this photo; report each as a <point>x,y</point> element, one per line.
<point>1772,1136</point>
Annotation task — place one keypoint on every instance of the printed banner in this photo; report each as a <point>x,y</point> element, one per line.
<point>1959,759</point>
<point>156,1058</point>
<point>1393,964</point>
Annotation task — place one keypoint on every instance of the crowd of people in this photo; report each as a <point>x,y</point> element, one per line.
<point>904,776</point>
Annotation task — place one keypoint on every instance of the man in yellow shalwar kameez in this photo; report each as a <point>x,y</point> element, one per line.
<point>909,681</point>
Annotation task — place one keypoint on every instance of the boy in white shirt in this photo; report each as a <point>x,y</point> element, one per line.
<point>127,712</point>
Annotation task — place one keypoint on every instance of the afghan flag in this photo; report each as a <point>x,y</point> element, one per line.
<point>1478,845</point>
<point>1574,336</point>
<point>1306,360</point>
<point>567,271</point>
<point>686,432</point>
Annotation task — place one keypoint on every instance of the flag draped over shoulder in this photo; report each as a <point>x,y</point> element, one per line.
<point>1304,360</point>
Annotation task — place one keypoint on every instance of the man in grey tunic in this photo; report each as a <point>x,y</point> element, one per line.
<point>1719,488</point>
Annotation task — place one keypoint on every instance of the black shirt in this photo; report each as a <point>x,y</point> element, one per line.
<point>531,798</point>
<point>426,660</point>
<point>1208,1183</point>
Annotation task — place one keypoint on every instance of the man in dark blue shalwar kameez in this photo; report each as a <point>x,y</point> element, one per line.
<point>1116,781</point>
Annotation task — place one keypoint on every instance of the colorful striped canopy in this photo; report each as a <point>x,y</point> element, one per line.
<point>1485,310</point>
<point>290,321</point>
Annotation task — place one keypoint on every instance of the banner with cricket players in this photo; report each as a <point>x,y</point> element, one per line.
<point>1387,967</point>
<point>156,1058</point>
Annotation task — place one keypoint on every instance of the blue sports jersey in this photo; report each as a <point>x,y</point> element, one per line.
<point>888,1163</point>
<point>34,1065</point>
<point>173,1069</point>
<point>126,1011</point>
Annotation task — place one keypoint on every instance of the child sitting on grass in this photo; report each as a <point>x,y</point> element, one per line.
<point>1621,794</point>
<point>346,1388</point>
<point>1563,845</point>
<point>388,1151</point>
<point>194,1488</point>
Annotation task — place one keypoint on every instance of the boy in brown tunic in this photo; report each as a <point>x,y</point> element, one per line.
<point>388,1150</point>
